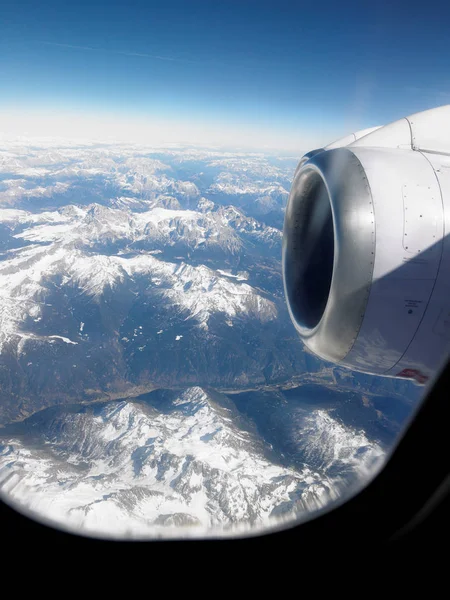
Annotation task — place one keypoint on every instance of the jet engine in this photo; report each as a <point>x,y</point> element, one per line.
<point>366,248</point>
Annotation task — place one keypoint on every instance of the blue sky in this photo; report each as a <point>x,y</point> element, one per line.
<point>283,72</point>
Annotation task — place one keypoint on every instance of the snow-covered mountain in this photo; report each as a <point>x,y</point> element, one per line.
<point>78,278</point>
<point>129,269</point>
<point>184,459</point>
<point>108,246</point>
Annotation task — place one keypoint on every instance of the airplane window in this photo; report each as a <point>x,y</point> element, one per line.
<point>201,332</point>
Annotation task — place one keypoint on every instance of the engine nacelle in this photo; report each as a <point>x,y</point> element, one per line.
<point>366,250</point>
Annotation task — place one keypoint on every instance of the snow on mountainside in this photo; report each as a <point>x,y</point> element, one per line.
<point>159,226</point>
<point>233,184</point>
<point>116,232</point>
<point>183,459</point>
<point>26,276</point>
<point>82,174</point>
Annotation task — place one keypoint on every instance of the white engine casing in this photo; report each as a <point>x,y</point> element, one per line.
<point>366,248</point>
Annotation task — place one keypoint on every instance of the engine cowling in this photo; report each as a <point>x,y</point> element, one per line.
<point>366,250</point>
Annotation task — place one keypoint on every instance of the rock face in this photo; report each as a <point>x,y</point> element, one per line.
<point>128,269</point>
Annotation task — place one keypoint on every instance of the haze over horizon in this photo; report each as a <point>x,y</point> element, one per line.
<point>283,75</point>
